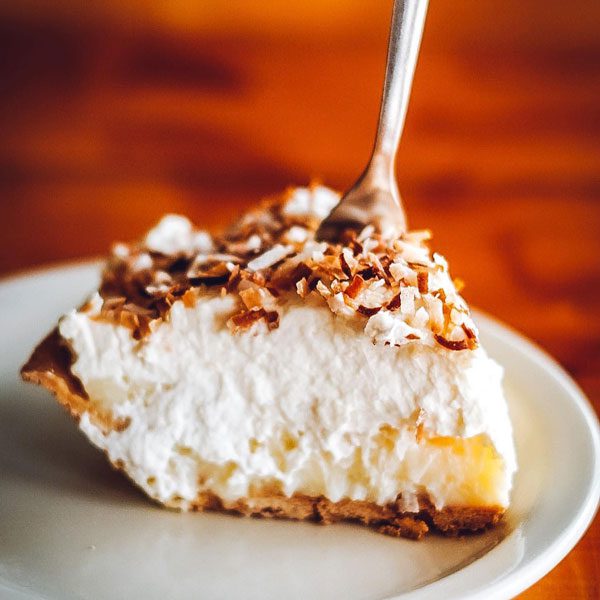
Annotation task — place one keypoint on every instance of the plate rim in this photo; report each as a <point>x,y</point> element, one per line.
<point>524,574</point>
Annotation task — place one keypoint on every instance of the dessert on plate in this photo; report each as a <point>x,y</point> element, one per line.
<point>265,373</point>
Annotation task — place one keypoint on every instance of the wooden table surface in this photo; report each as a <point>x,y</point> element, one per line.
<point>112,115</point>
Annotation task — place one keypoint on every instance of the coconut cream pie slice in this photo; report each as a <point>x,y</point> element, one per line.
<point>265,373</point>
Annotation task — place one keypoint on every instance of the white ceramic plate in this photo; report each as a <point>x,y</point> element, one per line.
<point>70,527</point>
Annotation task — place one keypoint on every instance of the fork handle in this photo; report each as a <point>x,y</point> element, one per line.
<point>408,19</point>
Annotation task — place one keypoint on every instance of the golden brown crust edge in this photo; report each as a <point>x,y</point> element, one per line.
<point>389,520</point>
<point>49,366</point>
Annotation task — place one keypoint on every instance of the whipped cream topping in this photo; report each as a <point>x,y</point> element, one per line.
<point>263,359</point>
<point>312,407</point>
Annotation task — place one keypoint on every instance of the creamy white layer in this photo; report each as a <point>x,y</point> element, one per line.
<point>315,406</point>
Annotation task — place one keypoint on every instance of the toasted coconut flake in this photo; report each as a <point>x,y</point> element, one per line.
<point>345,266</point>
<point>394,303</point>
<point>286,278</point>
<point>252,244</point>
<point>368,273</point>
<point>471,336</point>
<point>407,301</point>
<point>189,298</point>
<point>451,344</point>
<point>367,232</point>
<point>157,290</point>
<point>258,278</point>
<point>423,281</point>
<point>323,289</point>
<point>417,266</point>
<point>356,285</point>
<point>210,259</point>
<point>440,261</point>
<point>114,303</point>
<point>417,236</point>
<point>435,309</point>
<point>385,262</point>
<point>313,282</point>
<point>412,253</point>
<point>252,298</point>
<point>403,273</point>
<point>143,328</point>
<point>421,318</point>
<point>368,311</point>
<point>302,288</point>
<point>441,294</point>
<point>272,319</point>
<point>210,274</point>
<point>246,318</point>
<point>468,331</point>
<point>337,304</point>
<point>369,244</point>
<point>456,315</point>
<point>302,270</point>
<point>86,306</point>
<point>270,257</point>
<point>234,279</point>
<point>336,286</point>
<point>377,266</point>
<point>356,247</point>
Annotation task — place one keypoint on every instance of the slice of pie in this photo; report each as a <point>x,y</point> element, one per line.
<point>265,373</point>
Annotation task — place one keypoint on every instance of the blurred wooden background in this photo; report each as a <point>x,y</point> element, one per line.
<point>115,113</point>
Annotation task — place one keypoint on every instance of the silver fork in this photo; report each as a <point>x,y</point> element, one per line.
<point>374,199</point>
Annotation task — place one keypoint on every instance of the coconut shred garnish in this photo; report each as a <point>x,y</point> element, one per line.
<point>396,289</point>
